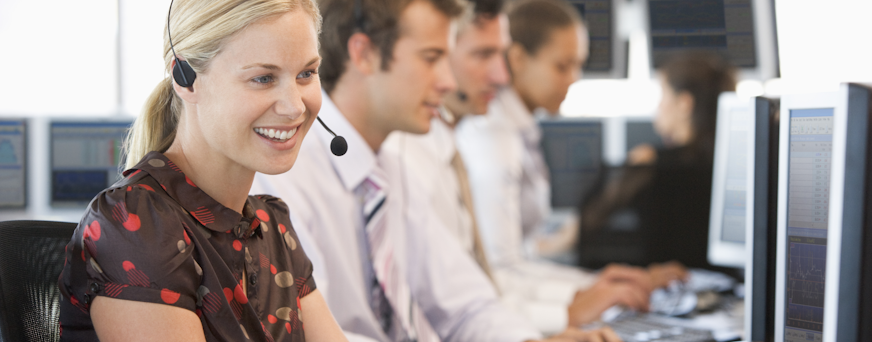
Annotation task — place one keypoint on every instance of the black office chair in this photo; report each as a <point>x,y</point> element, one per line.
<point>31,259</point>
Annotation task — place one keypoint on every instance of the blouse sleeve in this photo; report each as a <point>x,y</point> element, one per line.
<point>300,263</point>
<point>134,247</point>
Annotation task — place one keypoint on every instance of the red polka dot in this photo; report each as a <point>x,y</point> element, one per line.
<point>132,224</point>
<point>133,174</point>
<point>169,296</point>
<point>288,327</point>
<point>228,293</point>
<point>146,187</point>
<point>92,231</point>
<point>129,188</point>
<point>83,255</point>
<point>127,265</point>
<point>262,215</point>
<point>272,319</point>
<point>282,228</point>
<point>190,182</point>
<point>162,186</point>
<point>199,313</point>
<point>239,294</point>
<point>187,239</point>
<point>271,269</point>
<point>237,245</point>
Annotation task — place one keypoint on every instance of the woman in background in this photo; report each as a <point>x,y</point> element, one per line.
<point>668,190</point>
<point>177,250</point>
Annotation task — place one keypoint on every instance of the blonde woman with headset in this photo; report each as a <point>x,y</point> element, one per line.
<point>177,250</point>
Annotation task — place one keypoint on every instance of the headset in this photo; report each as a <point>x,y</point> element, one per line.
<point>184,75</point>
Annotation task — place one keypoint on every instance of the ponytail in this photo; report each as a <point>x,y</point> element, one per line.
<point>155,128</point>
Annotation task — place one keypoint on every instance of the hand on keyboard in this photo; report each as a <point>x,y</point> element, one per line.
<point>588,305</point>
<point>577,335</point>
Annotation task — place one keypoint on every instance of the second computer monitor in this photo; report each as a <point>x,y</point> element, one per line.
<point>13,157</point>
<point>86,157</point>
<point>573,151</point>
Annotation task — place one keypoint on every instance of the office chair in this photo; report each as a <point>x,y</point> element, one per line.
<point>31,260</point>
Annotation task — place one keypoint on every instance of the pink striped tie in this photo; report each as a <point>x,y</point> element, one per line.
<point>411,324</point>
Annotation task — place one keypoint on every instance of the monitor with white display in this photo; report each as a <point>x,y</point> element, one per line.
<point>732,181</point>
<point>822,277</point>
<point>13,163</point>
<point>742,31</point>
<point>86,157</point>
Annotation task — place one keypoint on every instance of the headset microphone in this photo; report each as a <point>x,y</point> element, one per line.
<point>338,145</point>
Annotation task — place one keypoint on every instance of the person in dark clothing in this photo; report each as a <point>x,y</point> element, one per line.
<point>656,207</point>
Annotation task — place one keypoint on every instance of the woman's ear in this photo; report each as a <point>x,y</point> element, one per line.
<point>188,94</point>
<point>684,103</point>
<point>361,55</point>
<point>517,58</point>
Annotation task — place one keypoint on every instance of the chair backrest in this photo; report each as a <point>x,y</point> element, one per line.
<point>31,260</point>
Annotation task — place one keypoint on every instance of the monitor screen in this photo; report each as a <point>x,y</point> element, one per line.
<point>573,152</point>
<point>85,159</point>
<point>642,132</point>
<point>13,155</point>
<point>808,195</point>
<point>721,26</point>
<point>597,15</point>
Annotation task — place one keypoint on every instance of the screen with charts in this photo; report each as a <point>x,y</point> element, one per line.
<point>735,184</point>
<point>85,159</point>
<point>808,195</point>
<point>573,152</point>
<point>12,163</point>
<point>597,15</point>
<point>722,26</point>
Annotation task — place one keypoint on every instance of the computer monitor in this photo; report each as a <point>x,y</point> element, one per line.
<point>732,181</point>
<point>13,163</point>
<point>760,236</point>
<point>743,31</point>
<point>607,56</point>
<point>848,292</point>
<point>573,152</point>
<point>86,157</point>
<point>641,131</point>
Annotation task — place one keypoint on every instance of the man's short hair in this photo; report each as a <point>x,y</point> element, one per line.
<point>477,10</point>
<point>531,22</point>
<point>378,19</point>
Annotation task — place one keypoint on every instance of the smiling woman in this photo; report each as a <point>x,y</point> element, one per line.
<point>177,250</point>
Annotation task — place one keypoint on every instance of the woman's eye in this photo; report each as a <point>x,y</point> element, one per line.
<point>306,74</point>
<point>265,79</point>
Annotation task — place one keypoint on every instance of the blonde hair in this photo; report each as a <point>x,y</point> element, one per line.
<point>199,29</point>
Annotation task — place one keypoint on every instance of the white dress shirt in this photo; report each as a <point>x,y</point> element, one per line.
<point>459,301</point>
<point>511,193</point>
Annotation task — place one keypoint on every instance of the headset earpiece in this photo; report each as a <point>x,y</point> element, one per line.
<point>184,74</point>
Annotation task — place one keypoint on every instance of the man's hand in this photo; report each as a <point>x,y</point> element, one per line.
<point>665,273</point>
<point>577,335</point>
<point>588,305</point>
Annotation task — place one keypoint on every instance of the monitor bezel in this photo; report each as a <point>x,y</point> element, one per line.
<point>51,124</point>
<point>788,103</point>
<point>26,156</point>
<point>720,252</point>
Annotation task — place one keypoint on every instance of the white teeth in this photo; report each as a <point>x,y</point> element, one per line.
<point>274,134</point>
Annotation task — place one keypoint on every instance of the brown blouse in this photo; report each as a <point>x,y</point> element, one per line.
<point>156,237</point>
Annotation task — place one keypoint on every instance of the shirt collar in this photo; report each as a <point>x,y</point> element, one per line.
<point>360,160</point>
<point>518,114</point>
<point>198,203</point>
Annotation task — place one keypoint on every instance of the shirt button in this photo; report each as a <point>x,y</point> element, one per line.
<point>252,279</point>
<point>95,288</point>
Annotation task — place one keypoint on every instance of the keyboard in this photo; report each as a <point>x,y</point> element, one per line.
<point>632,327</point>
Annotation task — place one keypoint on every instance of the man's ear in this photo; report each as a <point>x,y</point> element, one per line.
<point>362,54</point>
<point>188,94</point>
<point>517,58</point>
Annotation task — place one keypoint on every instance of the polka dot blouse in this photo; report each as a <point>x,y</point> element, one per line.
<point>155,237</point>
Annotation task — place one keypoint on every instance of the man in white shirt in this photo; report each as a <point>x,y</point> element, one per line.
<point>541,291</point>
<point>394,273</point>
